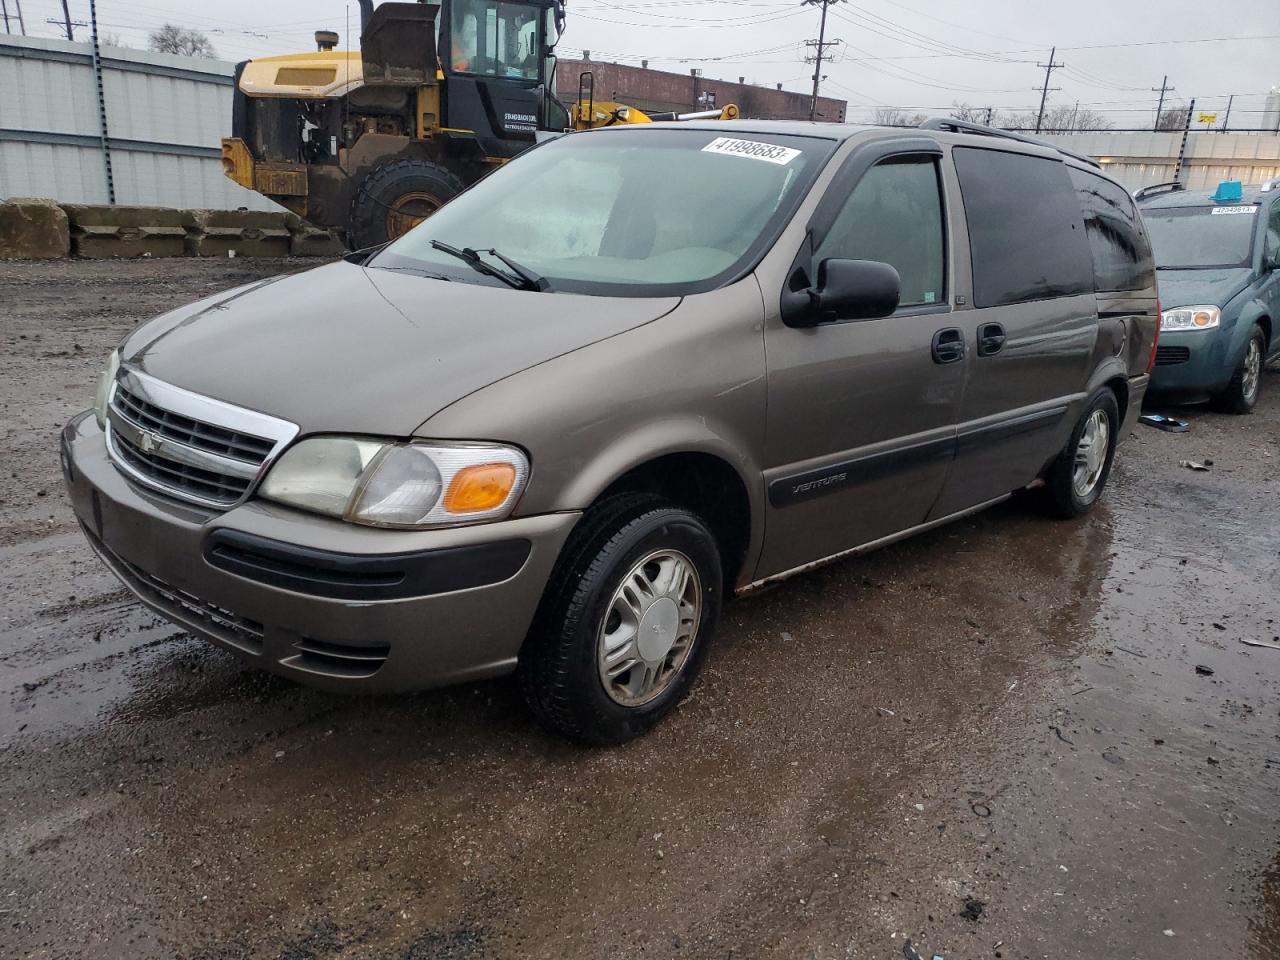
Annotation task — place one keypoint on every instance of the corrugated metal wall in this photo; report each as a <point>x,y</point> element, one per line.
<point>166,116</point>
<point>1139,159</point>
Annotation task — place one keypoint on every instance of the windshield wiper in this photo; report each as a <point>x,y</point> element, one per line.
<point>521,278</point>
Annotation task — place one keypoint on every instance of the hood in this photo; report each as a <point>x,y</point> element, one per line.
<point>344,349</point>
<point>1188,288</point>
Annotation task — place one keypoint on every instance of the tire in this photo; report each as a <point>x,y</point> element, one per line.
<point>1241,395</point>
<point>561,668</point>
<point>395,196</point>
<point>1065,497</point>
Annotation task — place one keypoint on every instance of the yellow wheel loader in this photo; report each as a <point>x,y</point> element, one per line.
<point>371,142</point>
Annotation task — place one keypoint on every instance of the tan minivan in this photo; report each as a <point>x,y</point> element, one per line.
<point>633,371</point>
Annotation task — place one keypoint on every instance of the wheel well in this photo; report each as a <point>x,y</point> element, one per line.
<point>1265,323</point>
<point>703,484</point>
<point>1120,388</point>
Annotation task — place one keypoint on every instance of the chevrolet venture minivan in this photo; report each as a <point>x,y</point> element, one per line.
<point>635,370</point>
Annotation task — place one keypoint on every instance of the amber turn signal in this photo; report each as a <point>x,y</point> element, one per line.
<point>480,488</point>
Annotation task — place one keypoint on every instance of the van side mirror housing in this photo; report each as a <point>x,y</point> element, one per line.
<point>846,290</point>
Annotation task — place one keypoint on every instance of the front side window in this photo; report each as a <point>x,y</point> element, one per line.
<point>1202,238</point>
<point>494,39</point>
<point>894,215</point>
<point>645,212</point>
<point>1026,231</point>
<point>1121,251</point>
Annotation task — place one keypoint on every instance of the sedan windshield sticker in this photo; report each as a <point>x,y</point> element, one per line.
<point>1218,210</point>
<point>752,149</point>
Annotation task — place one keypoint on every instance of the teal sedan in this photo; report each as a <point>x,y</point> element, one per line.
<point>1218,267</point>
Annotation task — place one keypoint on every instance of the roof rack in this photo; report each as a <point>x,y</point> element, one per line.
<point>964,126</point>
<point>1172,186</point>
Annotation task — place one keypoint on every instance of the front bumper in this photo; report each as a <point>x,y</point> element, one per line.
<point>327,603</point>
<point>1192,362</point>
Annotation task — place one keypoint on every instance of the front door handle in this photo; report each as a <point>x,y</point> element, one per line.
<point>991,339</point>
<point>948,345</point>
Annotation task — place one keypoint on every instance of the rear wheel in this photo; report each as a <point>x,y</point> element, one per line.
<point>1078,476</point>
<point>625,623</point>
<point>1241,395</point>
<point>396,197</point>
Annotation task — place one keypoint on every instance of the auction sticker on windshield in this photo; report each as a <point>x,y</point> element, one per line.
<point>752,149</point>
<point>1218,210</point>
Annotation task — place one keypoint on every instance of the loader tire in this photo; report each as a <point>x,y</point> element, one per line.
<point>397,196</point>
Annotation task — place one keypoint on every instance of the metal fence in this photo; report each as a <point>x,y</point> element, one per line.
<point>166,116</point>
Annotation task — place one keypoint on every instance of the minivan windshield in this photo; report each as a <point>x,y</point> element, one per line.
<point>642,212</point>
<point>1200,238</point>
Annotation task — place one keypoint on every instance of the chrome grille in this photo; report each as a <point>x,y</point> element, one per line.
<point>189,446</point>
<point>206,436</point>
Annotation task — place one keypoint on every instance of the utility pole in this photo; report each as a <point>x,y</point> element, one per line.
<point>1044,92</point>
<point>22,24</point>
<point>103,137</point>
<point>1182,148</point>
<point>820,51</point>
<point>66,15</point>
<point>1227,115</point>
<point>1163,89</point>
<point>4,9</point>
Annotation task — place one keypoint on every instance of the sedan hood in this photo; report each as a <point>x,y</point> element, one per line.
<point>1197,288</point>
<point>345,349</point>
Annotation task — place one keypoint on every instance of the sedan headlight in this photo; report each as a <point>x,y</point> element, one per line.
<point>1190,318</point>
<point>404,485</point>
<point>103,395</point>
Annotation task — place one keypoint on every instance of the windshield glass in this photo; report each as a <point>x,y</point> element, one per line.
<point>495,39</point>
<point>1189,238</point>
<point>641,212</point>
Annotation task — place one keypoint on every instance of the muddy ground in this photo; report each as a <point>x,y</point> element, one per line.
<point>992,739</point>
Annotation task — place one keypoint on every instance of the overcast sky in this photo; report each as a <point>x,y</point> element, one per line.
<point>916,54</point>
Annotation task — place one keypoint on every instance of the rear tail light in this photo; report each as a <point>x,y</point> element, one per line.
<point>1155,340</point>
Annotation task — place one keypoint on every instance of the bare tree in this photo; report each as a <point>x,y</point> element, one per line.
<point>171,38</point>
<point>110,39</point>
<point>1062,119</point>
<point>889,117</point>
<point>1172,118</point>
<point>968,114</point>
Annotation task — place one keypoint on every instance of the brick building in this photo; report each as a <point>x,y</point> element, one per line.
<point>658,91</point>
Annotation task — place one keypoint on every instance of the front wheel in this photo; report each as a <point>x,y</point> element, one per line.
<point>1079,474</point>
<point>625,623</point>
<point>397,196</point>
<point>1241,395</point>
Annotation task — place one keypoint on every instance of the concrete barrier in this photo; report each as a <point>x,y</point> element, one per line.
<point>33,229</point>
<point>246,233</point>
<point>38,229</point>
<point>107,232</point>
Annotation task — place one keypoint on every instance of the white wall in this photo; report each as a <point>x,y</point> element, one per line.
<point>166,117</point>
<point>1139,159</point>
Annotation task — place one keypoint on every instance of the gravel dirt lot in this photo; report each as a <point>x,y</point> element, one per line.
<point>993,739</point>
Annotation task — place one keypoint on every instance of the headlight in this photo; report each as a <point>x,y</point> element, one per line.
<point>399,484</point>
<point>103,395</point>
<point>1190,318</point>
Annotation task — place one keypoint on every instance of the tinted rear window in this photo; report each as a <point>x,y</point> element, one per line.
<point>1121,252</point>
<point>1026,231</point>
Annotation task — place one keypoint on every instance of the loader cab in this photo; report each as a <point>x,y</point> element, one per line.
<point>499,66</point>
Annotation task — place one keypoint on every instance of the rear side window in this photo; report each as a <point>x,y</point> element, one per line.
<point>894,215</point>
<point>1121,252</point>
<point>1026,233</point>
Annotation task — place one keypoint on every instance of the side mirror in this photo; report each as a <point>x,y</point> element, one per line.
<point>846,290</point>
